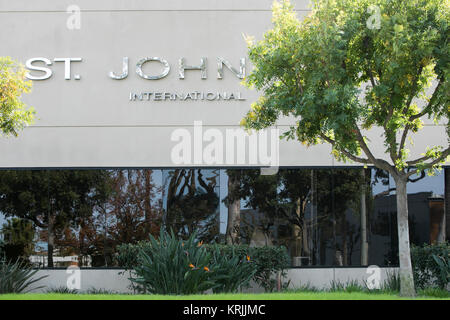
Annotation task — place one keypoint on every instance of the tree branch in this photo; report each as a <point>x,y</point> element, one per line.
<point>413,90</point>
<point>380,163</point>
<point>384,193</point>
<point>444,155</point>
<point>422,175</point>
<point>416,116</point>
<point>38,223</point>
<point>348,154</point>
<point>430,104</point>
<point>403,140</point>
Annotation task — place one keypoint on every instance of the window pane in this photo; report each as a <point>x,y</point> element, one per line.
<point>322,216</point>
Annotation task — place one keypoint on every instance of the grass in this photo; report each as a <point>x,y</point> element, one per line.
<point>238,296</point>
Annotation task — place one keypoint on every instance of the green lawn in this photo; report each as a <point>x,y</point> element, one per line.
<point>264,296</point>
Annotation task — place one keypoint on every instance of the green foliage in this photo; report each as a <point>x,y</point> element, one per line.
<point>62,290</point>
<point>100,291</point>
<point>18,231</point>
<point>174,266</point>
<point>70,193</point>
<point>391,285</point>
<point>444,268</point>
<point>14,114</point>
<point>90,291</point>
<point>127,253</point>
<point>434,292</point>
<point>337,73</point>
<point>392,282</point>
<point>53,199</point>
<point>231,266</point>
<point>431,265</point>
<point>16,278</point>
<point>268,262</point>
<point>15,252</point>
<point>308,287</point>
<point>349,286</point>
<point>232,271</point>
<point>19,239</point>
<point>351,66</point>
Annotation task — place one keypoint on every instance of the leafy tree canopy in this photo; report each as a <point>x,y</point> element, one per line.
<point>352,65</point>
<point>14,114</point>
<point>68,195</point>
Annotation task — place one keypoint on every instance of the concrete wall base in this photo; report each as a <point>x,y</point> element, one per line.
<point>117,280</point>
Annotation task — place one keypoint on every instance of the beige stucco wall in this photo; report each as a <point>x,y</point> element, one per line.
<point>91,122</point>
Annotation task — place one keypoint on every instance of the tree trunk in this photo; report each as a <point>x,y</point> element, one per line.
<point>404,253</point>
<point>305,246</point>
<point>104,241</point>
<point>344,241</point>
<point>364,244</point>
<point>337,250</point>
<point>234,210</point>
<point>50,239</point>
<point>297,230</point>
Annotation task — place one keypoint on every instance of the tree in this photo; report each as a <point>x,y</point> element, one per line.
<point>192,203</point>
<point>285,196</point>
<point>352,66</point>
<point>52,199</point>
<point>131,212</point>
<point>134,209</point>
<point>233,203</point>
<point>14,114</point>
<point>18,238</point>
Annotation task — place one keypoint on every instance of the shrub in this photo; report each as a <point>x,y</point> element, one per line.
<point>232,271</point>
<point>172,266</point>
<point>127,254</point>
<point>15,277</point>
<point>231,266</point>
<point>431,265</point>
<point>434,292</point>
<point>444,269</point>
<point>15,252</point>
<point>268,262</point>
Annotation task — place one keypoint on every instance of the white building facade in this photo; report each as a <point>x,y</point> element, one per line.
<point>123,84</point>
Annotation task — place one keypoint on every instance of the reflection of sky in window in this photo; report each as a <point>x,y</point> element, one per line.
<point>434,184</point>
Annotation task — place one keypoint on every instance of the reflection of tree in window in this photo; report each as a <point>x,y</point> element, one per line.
<point>52,199</point>
<point>192,203</point>
<point>338,199</point>
<point>287,199</point>
<point>133,210</point>
<point>384,217</point>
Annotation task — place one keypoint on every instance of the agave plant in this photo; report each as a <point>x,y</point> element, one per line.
<point>16,278</point>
